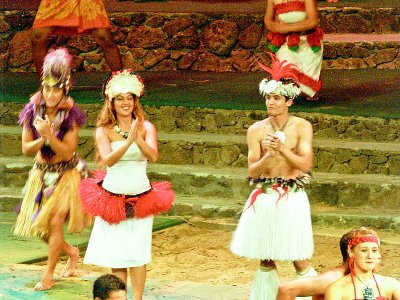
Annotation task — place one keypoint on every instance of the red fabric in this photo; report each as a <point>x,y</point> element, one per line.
<point>316,85</point>
<point>363,239</point>
<point>282,8</point>
<point>293,40</point>
<point>281,195</point>
<point>253,197</point>
<point>98,202</point>
<point>314,38</point>
<point>276,39</point>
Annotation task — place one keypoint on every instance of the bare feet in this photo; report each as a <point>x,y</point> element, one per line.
<point>44,285</point>
<point>70,267</point>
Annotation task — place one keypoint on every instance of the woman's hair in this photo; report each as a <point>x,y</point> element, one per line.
<point>355,233</point>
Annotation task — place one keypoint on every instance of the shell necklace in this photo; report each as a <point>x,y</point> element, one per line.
<point>279,132</point>
<point>119,131</point>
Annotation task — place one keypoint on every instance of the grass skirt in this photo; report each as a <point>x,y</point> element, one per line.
<point>116,208</point>
<point>64,199</point>
<point>275,230</point>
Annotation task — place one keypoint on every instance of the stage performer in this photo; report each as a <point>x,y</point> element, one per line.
<point>362,282</point>
<point>276,223</point>
<point>316,286</point>
<point>51,122</point>
<point>123,199</point>
<point>71,17</point>
<point>294,35</point>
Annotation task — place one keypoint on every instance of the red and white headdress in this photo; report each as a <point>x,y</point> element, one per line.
<point>122,82</point>
<point>279,70</point>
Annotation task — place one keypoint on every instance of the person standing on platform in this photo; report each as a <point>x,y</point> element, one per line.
<point>275,224</point>
<point>51,122</point>
<point>294,35</point>
<point>70,17</point>
<point>122,199</point>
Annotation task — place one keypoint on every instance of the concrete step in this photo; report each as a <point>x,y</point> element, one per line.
<point>365,190</point>
<point>360,51</point>
<point>230,209</point>
<point>193,119</point>
<point>222,150</point>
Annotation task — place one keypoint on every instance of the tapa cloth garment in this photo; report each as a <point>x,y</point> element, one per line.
<point>72,16</point>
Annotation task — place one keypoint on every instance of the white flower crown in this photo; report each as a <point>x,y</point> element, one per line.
<point>289,90</point>
<point>122,82</point>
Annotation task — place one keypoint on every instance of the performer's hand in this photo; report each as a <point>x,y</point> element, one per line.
<point>273,141</point>
<point>43,127</point>
<point>267,145</point>
<point>133,132</point>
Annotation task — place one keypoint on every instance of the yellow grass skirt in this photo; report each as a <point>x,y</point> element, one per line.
<point>65,199</point>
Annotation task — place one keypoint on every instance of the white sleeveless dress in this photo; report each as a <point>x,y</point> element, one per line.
<point>127,244</point>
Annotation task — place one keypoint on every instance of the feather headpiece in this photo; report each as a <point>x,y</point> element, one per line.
<point>124,81</point>
<point>57,68</point>
<point>280,70</point>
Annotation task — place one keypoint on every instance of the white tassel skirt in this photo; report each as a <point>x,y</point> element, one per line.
<point>275,230</point>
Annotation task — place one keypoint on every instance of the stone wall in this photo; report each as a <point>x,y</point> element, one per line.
<point>155,42</point>
<point>179,119</point>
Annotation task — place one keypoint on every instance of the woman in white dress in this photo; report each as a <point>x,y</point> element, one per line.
<point>294,36</point>
<point>122,199</point>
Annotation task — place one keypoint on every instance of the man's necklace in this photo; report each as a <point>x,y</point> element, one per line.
<point>119,131</point>
<point>279,132</point>
<point>368,294</point>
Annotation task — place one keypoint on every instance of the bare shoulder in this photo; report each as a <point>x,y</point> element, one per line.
<point>301,122</point>
<point>148,125</point>
<point>388,282</point>
<point>257,126</point>
<point>103,132</point>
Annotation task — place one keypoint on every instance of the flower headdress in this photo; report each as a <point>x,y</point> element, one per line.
<point>280,70</point>
<point>56,68</point>
<point>124,81</point>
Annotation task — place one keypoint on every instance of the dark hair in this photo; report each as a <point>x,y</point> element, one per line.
<point>107,283</point>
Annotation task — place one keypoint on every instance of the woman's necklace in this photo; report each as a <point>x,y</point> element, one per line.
<point>279,132</point>
<point>368,294</point>
<point>119,131</point>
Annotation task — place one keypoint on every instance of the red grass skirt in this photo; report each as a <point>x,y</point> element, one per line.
<point>114,209</point>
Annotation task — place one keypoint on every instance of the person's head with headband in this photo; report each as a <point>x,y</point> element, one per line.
<point>282,81</point>
<point>57,70</point>
<point>121,83</point>
<point>55,82</point>
<point>363,249</point>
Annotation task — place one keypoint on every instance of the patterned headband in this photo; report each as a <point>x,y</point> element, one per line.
<point>363,239</point>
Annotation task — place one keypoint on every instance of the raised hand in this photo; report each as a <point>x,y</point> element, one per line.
<point>133,132</point>
<point>43,126</point>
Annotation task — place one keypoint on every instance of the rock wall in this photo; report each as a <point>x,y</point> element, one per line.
<point>156,42</point>
<point>172,119</point>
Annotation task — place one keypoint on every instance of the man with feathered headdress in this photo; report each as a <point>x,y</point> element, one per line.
<point>51,122</point>
<point>275,224</point>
